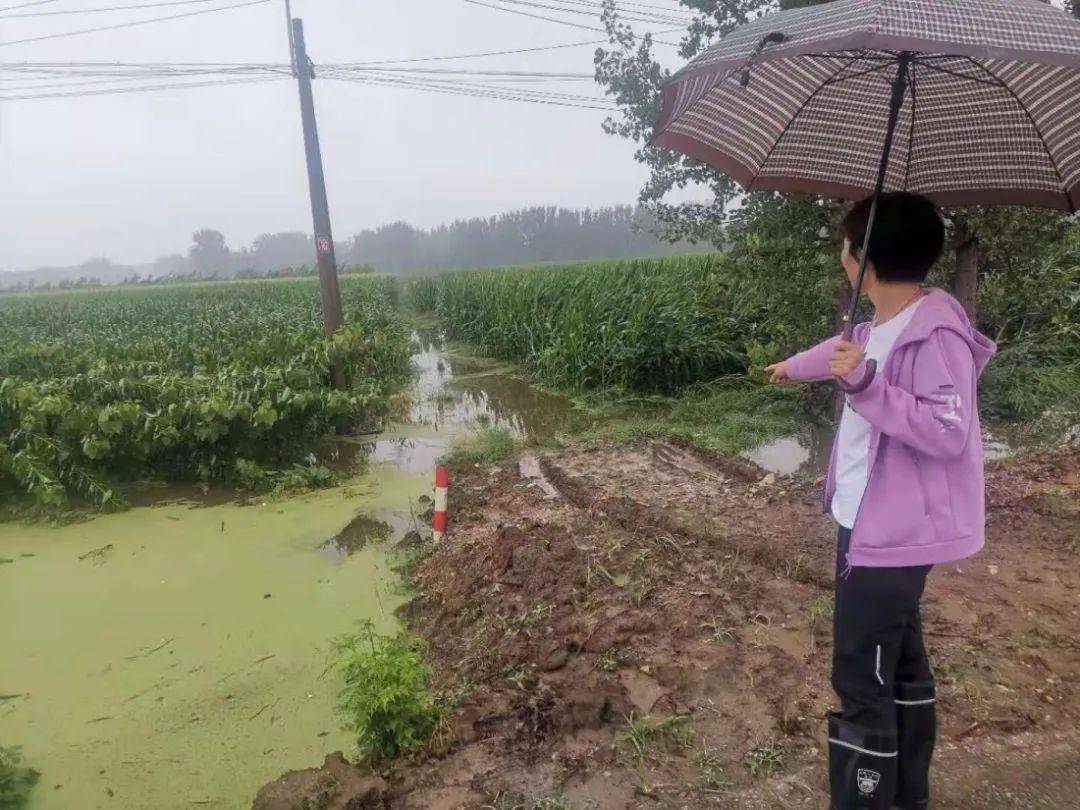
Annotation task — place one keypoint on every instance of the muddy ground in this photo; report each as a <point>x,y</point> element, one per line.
<point>650,627</point>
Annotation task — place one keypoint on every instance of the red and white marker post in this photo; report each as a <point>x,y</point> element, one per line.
<point>442,485</point>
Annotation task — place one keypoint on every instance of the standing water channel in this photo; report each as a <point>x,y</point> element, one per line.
<point>176,655</point>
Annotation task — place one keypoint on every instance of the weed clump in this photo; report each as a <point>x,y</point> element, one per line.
<point>16,779</point>
<point>386,700</point>
<point>489,446</point>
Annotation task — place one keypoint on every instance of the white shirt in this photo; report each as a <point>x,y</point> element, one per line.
<point>853,439</point>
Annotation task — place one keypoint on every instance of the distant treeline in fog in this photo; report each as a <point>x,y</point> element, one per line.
<point>526,236</point>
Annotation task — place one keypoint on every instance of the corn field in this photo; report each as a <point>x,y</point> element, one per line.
<point>204,382</point>
<point>654,325</point>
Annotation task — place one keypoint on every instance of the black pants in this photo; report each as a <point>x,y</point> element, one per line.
<point>877,638</point>
<point>882,740</point>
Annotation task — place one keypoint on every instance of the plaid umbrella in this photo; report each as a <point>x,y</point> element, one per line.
<point>963,101</point>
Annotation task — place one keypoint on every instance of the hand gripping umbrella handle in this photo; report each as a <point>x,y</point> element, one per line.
<point>863,383</point>
<point>870,364</point>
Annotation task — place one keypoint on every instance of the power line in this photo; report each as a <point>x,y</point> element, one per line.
<point>594,8</point>
<point>43,84</point>
<point>103,73</point>
<point>627,3</point>
<point>375,62</point>
<point>512,52</point>
<point>499,94</point>
<point>27,5</point>
<point>146,88</point>
<point>132,24</point>
<point>135,7</point>
<point>552,19</point>
<point>536,16</point>
<point>457,83</point>
<point>508,74</point>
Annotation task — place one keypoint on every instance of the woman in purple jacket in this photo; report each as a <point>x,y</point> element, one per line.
<point>905,485</point>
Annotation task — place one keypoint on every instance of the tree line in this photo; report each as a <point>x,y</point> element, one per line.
<point>526,236</point>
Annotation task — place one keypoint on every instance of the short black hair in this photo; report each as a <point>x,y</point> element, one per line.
<point>908,238</point>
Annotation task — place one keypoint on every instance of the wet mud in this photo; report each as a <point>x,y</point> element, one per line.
<point>656,633</point>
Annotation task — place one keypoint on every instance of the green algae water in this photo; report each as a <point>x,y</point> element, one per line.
<point>177,656</point>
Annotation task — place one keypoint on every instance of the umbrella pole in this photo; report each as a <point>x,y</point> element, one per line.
<point>899,91</point>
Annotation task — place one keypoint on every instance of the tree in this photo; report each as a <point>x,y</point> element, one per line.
<point>274,251</point>
<point>209,254</point>
<point>629,73</point>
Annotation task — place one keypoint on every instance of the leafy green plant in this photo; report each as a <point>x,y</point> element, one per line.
<point>223,381</point>
<point>764,760</point>
<point>642,732</point>
<point>16,779</point>
<point>708,764</point>
<point>386,700</point>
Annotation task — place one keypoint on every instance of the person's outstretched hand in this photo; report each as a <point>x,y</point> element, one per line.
<point>778,372</point>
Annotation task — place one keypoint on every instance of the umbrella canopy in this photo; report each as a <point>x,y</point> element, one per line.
<point>971,101</point>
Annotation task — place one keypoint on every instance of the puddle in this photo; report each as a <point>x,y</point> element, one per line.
<point>810,456</point>
<point>455,393</point>
<point>788,455</point>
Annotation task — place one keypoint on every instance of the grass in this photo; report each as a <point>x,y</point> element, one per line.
<point>609,661</point>
<point>643,732</point>
<point>489,445</point>
<point>821,608</point>
<point>729,415</point>
<point>765,760</point>
<point>708,765</point>
<point>508,801</point>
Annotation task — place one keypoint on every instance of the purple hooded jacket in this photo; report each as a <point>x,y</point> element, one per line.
<point>924,501</point>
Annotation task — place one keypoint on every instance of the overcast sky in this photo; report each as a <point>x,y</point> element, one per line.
<point>130,177</point>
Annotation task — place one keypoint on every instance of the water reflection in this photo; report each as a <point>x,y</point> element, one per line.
<point>807,455</point>
<point>381,528</point>
<point>469,392</point>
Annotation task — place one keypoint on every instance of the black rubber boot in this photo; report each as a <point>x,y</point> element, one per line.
<point>917,732</point>
<point>862,766</point>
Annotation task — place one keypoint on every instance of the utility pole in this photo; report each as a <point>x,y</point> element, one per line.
<point>320,209</point>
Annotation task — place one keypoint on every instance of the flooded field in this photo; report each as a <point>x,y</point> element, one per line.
<point>175,655</point>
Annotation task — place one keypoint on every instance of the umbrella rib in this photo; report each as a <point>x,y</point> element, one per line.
<point>838,79</point>
<point>794,118</point>
<point>911,133</point>
<point>1034,125</point>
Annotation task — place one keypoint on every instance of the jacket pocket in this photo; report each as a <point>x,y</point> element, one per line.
<point>894,509</point>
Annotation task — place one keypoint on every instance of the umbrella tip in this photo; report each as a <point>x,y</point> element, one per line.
<point>772,38</point>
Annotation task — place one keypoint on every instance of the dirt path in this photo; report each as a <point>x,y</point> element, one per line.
<point>649,627</point>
